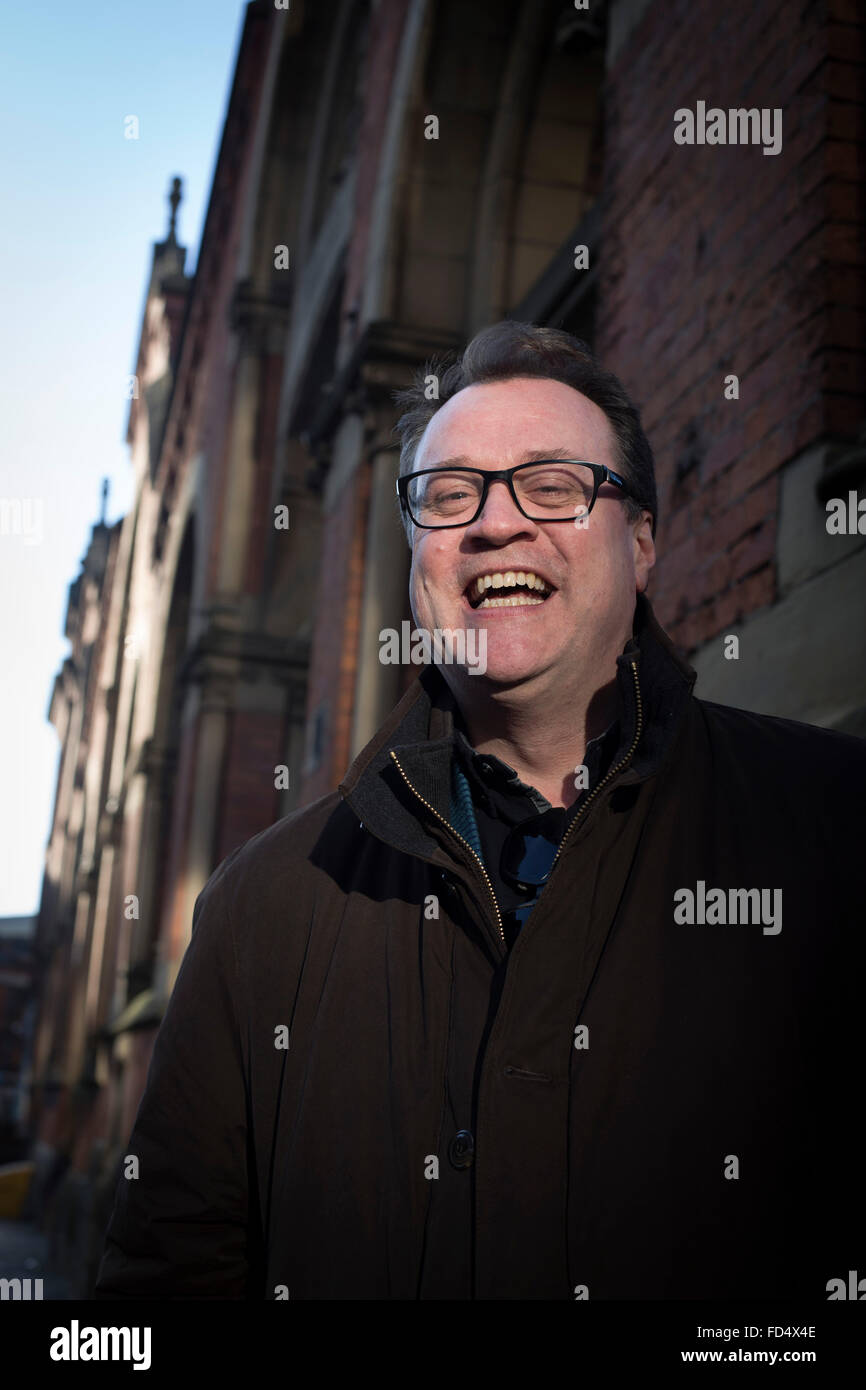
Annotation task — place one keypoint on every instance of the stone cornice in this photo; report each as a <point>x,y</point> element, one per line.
<point>222,654</point>
<point>379,364</point>
<point>261,319</point>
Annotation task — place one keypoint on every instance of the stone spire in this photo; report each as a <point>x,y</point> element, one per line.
<point>174,198</point>
<point>169,256</point>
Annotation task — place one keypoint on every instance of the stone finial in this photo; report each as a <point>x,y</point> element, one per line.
<point>174,198</point>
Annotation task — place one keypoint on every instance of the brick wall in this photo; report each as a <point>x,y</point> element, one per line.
<point>720,260</point>
<point>250,802</point>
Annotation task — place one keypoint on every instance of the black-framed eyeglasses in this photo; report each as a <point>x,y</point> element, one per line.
<point>544,490</point>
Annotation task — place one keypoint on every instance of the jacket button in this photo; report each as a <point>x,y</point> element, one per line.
<point>461,1150</point>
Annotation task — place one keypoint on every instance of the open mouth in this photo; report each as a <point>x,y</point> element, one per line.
<point>508,589</point>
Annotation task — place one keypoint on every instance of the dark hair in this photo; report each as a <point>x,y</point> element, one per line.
<point>511,349</point>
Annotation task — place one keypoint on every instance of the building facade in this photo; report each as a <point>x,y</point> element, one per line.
<point>17,1014</point>
<point>392,177</point>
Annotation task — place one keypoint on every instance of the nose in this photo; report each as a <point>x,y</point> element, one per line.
<point>500,517</point>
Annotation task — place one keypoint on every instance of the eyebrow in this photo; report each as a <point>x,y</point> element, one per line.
<point>530,456</point>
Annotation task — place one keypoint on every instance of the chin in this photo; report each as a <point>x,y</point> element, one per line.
<point>503,674</point>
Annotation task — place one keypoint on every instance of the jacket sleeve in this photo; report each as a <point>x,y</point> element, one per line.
<point>185,1225</point>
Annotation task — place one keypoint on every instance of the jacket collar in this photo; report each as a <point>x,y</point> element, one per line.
<point>420,731</point>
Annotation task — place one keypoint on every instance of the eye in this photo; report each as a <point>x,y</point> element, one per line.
<point>450,495</point>
<point>550,490</point>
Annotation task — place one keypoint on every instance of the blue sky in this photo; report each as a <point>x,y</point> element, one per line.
<point>82,207</point>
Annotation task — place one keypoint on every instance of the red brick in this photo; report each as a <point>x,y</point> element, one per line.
<point>809,425</point>
<point>758,590</point>
<point>688,632</point>
<point>677,528</point>
<point>725,613</point>
<point>716,576</point>
<point>782,246</point>
<point>725,449</point>
<point>753,551</point>
<point>745,512</point>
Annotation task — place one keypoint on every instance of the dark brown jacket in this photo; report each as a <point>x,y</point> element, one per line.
<point>624,1106</point>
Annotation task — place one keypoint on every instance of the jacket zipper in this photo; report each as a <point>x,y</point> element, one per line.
<point>457,835</point>
<point>608,775</point>
<point>611,772</point>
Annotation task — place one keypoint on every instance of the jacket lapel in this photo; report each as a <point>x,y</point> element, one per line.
<point>419,732</point>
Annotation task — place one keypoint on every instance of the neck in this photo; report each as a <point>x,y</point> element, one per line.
<point>544,742</point>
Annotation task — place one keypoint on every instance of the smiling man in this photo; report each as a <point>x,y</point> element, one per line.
<point>552,643</point>
<point>449,1033</point>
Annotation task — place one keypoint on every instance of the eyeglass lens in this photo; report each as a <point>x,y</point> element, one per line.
<point>544,490</point>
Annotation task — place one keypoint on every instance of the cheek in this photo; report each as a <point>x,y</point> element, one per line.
<point>597,570</point>
<point>428,577</point>
<point>420,606</point>
<point>616,588</point>
<point>414,591</point>
<point>420,582</point>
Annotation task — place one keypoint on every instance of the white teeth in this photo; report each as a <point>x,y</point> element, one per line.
<point>507,579</point>
<point>512,601</point>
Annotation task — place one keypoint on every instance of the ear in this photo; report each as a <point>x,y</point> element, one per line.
<point>644,551</point>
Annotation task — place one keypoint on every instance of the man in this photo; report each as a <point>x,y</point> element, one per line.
<point>566,967</point>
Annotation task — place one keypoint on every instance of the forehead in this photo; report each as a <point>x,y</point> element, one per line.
<point>497,422</point>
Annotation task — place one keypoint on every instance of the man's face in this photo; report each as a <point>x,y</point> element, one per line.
<point>594,571</point>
